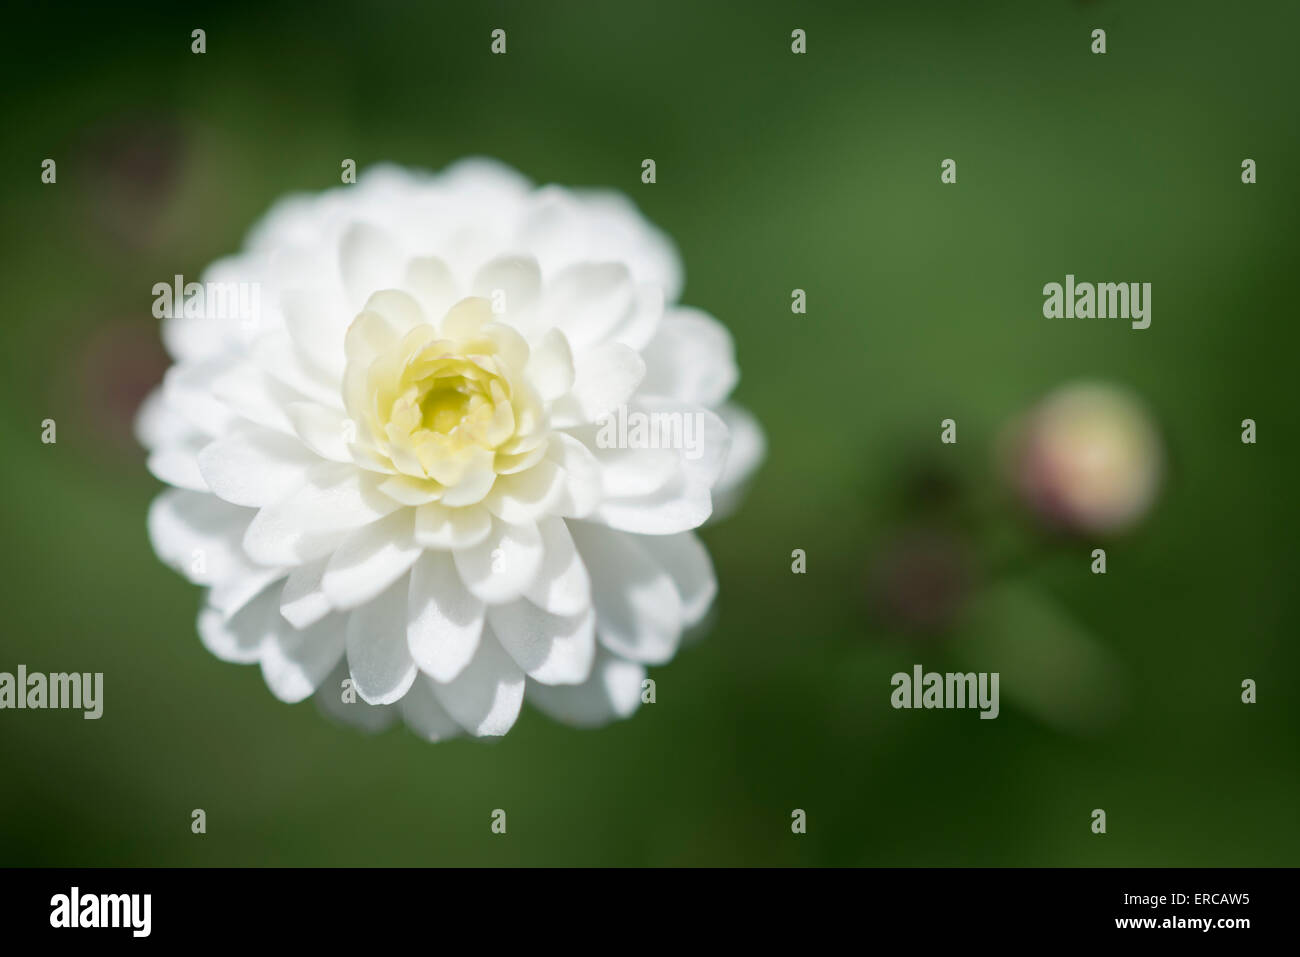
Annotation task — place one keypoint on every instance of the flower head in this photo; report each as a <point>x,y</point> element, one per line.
<point>395,478</point>
<point>1087,458</point>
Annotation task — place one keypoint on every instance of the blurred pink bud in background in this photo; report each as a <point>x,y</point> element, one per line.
<point>1088,458</point>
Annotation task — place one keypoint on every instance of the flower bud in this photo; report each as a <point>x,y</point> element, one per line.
<point>1087,458</point>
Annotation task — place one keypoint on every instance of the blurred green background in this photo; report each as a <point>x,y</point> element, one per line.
<point>775,171</point>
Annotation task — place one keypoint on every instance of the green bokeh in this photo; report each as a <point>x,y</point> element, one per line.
<point>775,171</point>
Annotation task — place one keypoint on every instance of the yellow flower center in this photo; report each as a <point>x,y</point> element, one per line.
<point>447,404</point>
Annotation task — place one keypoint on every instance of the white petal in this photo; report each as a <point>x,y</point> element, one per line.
<point>622,228</point>
<point>370,559</point>
<point>528,495</point>
<point>605,377</point>
<point>303,601</point>
<point>250,393</point>
<point>692,359</point>
<point>638,611</point>
<point>241,638</point>
<point>587,301</point>
<point>325,431</point>
<point>369,335</point>
<point>369,260</point>
<point>378,657</point>
<point>157,423</point>
<point>189,390</point>
<point>297,263</point>
<point>294,663</point>
<point>511,347</point>
<point>355,711</point>
<point>481,180</point>
<point>409,490</point>
<point>550,648</point>
<point>314,518</point>
<point>242,585</point>
<point>316,324</point>
<point>476,483</point>
<point>177,463</point>
<point>274,353</point>
<point>562,586</point>
<point>582,484</point>
<point>612,691</point>
<point>631,444</point>
<point>437,526</point>
<point>431,282</point>
<point>255,466</point>
<point>197,534</point>
<point>445,621</point>
<point>485,698</point>
<point>517,277</point>
<point>678,507</point>
<point>687,563</point>
<point>628,472</point>
<point>195,338</point>
<point>747,448</point>
<point>372,461</point>
<point>425,715</point>
<point>466,318</point>
<point>705,458</point>
<point>550,366</point>
<point>642,320</point>
<point>564,226</point>
<point>499,568</point>
<point>401,310</point>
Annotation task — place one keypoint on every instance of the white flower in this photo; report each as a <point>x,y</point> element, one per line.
<point>394,473</point>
